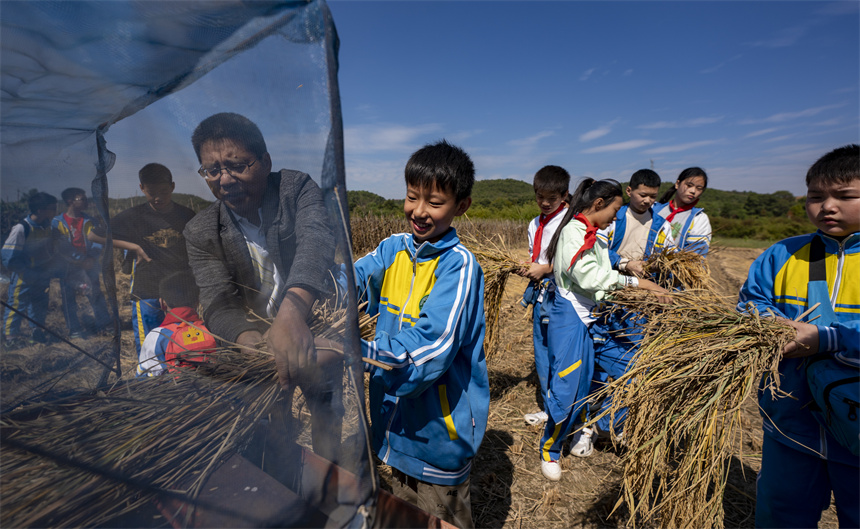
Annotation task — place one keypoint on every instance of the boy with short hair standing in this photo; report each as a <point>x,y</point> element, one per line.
<point>81,255</point>
<point>551,185</point>
<point>30,254</point>
<point>154,232</point>
<point>801,459</point>
<point>429,413</point>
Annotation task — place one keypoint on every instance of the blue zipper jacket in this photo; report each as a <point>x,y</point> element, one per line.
<point>779,280</point>
<point>63,232</point>
<point>695,234</point>
<point>659,235</point>
<point>429,413</point>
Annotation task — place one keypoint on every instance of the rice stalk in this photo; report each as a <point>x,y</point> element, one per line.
<point>673,269</point>
<point>498,264</point>
<point>698,361</point>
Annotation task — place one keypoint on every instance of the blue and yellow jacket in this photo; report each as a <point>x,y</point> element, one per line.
<point>778,280</point>
<point>429,413</point>
<point>659,235</point>
<point>694,234</point>
<point>64,237</point>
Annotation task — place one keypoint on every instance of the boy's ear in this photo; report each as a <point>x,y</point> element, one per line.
<point>172,186</point>
<point>267,162</point>
<point>629,191</point>
<point>463,206</point>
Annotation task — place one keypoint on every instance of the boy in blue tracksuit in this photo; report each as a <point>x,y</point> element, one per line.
<point>429,412</point>
<point>30,254</point>
<point>551,185</point>
<point>636,233</point>
<point>81,256</point>
<point>801,460</point>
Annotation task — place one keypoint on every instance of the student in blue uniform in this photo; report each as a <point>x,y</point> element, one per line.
<point>429,412</point>
<point>583,277</point>
<point>30,254</point>
<point>691,228</point>
<point>551,189</point>
<point>802,461</point>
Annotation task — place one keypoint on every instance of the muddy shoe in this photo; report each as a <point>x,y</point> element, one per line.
<point>584,445</point>
<point>551,470</point>
<point>539,417</point>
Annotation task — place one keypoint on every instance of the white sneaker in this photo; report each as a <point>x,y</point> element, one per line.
<point>584,445</point>
<point>539,417</point>
<point>551,470</point>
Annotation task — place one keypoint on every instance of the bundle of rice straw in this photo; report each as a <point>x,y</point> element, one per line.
<point>498,264</point>
<point>672,268</point>
<point>698,361</point>
<point>85,460</point>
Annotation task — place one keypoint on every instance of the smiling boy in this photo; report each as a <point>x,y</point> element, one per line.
<point>429,412</point>
<point>802,460</point>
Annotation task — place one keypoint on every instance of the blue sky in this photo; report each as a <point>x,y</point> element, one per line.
<point>753,92</point>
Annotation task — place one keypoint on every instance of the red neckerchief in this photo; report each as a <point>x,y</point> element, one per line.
<point>543,220</point>
<point>590,237</point>
<point>679,210</point>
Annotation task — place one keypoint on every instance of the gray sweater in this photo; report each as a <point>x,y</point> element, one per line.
<point>299,240</point>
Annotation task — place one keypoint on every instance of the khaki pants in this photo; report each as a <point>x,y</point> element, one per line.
<point>451,504</point>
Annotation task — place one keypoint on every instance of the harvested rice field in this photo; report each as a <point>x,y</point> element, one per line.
<point>508,490</point>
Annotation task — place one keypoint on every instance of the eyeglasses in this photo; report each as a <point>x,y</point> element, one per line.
<point>233,169</point>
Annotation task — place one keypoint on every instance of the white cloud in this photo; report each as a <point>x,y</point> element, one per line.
<point>713,69</point>
<point>599,132</point>
<point>628,72</point>
<point>621,146</point>
<point>783,38</point>
<point>586,74</point>
<point>385,137</point>
<point>780,138</point>
<point>695,122</point>
<point>531,140</point>
<point>788,116</point>
<point>680,147</point>
<point>761,132</point>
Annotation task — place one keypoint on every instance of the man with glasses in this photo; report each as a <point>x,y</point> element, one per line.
<point>262,251</point>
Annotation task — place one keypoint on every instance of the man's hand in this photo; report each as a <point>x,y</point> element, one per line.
<point>805,342</point>
<point>249,340</point>
<point>289,338</point>
<point>141,255</point>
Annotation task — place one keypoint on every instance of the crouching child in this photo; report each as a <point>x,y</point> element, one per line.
<point>182,340</point>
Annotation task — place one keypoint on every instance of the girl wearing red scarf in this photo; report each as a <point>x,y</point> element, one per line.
<point>691,228</point>
<point>583,277</point>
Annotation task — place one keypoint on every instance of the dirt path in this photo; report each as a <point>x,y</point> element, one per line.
<point>508,490</point>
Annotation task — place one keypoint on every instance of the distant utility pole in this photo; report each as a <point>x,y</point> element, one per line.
<point>652,164</point>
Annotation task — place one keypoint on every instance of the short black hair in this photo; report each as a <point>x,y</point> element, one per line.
<point>552,179</point>
<point>644,177</point>
<point>68,195</point>
<point>839,166</point>
<point>179,290</point>
<point>154,173</point>
<point>40,200</point>
<point>446,166</point>
<point>229,126</point>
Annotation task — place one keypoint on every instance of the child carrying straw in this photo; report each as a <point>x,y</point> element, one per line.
<point>584,276</point>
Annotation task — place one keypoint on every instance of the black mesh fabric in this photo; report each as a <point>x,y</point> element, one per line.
<point>91,93</point>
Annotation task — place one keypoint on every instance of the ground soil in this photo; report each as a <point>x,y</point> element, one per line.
<point>508,490</point>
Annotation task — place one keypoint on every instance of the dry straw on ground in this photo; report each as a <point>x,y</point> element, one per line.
<point>87,459</point>
<point>698,361</point>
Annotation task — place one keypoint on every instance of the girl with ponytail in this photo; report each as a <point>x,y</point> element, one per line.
<point>583,277</point>
<point>691,227</point>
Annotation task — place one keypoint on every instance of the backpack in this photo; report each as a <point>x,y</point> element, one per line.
<point>835,385</point>
<point>189,345</point>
